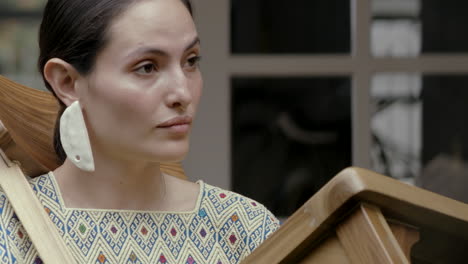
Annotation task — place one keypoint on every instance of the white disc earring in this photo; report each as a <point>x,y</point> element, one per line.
<point>75,139</point>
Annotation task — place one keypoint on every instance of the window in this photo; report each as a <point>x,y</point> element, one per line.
<point>397,45</point>
<point>283,131</point>
<point>19,25</point>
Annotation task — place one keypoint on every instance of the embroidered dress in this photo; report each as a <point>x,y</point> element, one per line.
<point>223,228</point>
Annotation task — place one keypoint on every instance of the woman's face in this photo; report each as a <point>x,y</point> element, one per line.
<point>143,92</point>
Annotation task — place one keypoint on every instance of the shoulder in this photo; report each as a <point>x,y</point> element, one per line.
<point>39,182</point>
<point>36,184</point>
<point>241,223</point>
<point>4,204</point>
<point>14,240</point>
<point>6,209</point>
<point>252,215</point>
<point>15,246</point>
<point>183,194</point>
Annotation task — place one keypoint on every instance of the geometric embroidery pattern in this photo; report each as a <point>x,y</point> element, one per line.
<point>224,228</point>
<point>145,233</point>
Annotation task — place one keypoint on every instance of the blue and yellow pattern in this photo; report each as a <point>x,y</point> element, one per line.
<point>223,228</point>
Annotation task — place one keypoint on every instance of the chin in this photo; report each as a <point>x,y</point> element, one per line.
<point>164,151</point>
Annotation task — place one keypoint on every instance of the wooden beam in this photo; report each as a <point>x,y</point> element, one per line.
<point>367,238</point>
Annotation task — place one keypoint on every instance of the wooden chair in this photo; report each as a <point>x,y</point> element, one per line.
<point>29,116</point>
<point>363,217</point>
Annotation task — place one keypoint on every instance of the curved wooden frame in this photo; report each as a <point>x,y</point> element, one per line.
<point>358,199</point>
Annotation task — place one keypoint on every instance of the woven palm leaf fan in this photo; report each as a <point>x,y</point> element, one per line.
<point>29,116</point>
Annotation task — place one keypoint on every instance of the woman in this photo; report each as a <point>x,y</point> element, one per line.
<point>127,78</point>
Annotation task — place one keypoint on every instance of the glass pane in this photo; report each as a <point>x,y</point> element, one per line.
<point>289,137</point>
<point>22,5</point>
<point>443,26</point>
<point>301,26</point>
<point>19,51</point>
<point>407,28</point>
<point>418,129</point>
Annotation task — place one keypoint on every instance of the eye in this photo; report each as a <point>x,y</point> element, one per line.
<point>146,69</point>
<point>194,61</point>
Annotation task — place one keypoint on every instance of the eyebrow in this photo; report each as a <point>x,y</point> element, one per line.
<point>145,50</point>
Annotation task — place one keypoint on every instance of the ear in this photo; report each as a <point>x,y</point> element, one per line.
<point>62,77</point>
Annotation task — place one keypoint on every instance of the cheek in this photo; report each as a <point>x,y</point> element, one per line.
<point>120,105</point>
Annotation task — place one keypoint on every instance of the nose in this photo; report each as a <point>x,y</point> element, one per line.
<point>179,95</point>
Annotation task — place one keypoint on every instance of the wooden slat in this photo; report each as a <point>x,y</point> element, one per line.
<point>174,169</point>
<point>330,251</point>
<point>367,238</point>
<point>29,116</point>
<point>406,236</point>
<point>32,215</point>
<point>5,138</point>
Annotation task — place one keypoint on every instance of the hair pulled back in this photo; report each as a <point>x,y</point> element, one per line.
<point>76,31</point>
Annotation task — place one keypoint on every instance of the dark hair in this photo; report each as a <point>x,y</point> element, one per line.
<point>76,31</point>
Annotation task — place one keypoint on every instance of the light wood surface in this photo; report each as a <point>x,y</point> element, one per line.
<point>5,138</point>
<point>40,229</point>
<point>330,251</point>
<point>29,116</point>
<point>406,236</point>
<point>367,238</point>
<point>310,224</point>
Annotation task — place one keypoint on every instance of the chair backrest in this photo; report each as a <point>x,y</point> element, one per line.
<point>360,216</point>
<point>29,116</point>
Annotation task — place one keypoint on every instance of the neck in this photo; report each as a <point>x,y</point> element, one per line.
<point>115,184</point>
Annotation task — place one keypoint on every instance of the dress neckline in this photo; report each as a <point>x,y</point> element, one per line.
<point>65,208</point>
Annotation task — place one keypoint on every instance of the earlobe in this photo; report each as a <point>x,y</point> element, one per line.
<point>62,77</point>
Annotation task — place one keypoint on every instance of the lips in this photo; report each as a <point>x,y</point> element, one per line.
<point>176,121</point>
